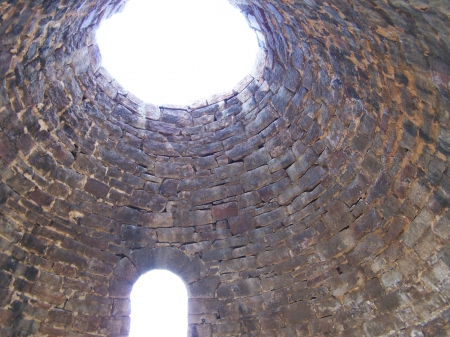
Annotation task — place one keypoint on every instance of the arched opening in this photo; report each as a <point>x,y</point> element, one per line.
<point>159,305</point>
<point>177,51</point>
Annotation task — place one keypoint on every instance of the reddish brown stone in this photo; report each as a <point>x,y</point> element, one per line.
<point>241,223</point>
<point>96,188</point>
<point>225,211</point>
<point>40,197</point>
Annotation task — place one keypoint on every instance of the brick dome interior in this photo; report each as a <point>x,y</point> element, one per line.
<point>311,200</point>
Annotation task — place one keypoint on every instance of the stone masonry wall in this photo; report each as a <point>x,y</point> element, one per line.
<point>311,200</point>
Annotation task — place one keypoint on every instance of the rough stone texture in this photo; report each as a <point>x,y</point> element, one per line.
<point>311,200</point>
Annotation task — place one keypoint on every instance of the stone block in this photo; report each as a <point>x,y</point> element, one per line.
<point>351,194</point>
<point>98,222</point>
<point>265,219</point>
<point>217,255</point>
<point>338,217</point>
<point>205,149</point>
<point>174,170</point>
<point>276,282</point>
<point>68,176</point>
<point>47,295</point>
<point>96,188</point>
<point>248,199</point>
<point>338,244</point>
<point>269,257</point>
<point>322,325</point>
<point>239,288</point>
<point>442,226</point>
<point>302,164</point>
<point>238,265</point>
<point>126,214</point>
<point>381,186</point>
<point>136,236</point>
<point>297,313</point>
<point>182,235</point>
<point>157,220</point>
<point>180,118</point>
<point>255,179</point>
<point>327,308</point>
<point>57,95</point>
<point>262,120</point>
<point>205,288</point>
<point>369,247</point>
<point>302,241</point>
<point>311,178</point>
<point>153,147</point>
<point>205,163</point>
<point>391,279</point>
<point>225,211</point>
<point>60,317</point>
<point>193,218</point>
<point>229,131</point>
<point>84,164</point>
<point>428,245</point>
<point>344,283</point>
<point>273,190</point>
<point>428,304</point>
<point>162,127</point>
<point>119,288</point>
<point>382,325</point>
<point>117,160</point>
<point>289,194</point>
<point>368,222</point>
<point>149,201</point>
<point>257,159</point>
<point>39,197</point>
<point>126,271</point>
<point>282,161</point>
<point>417,228</point>
<point>43,163</point>
<point>208,195</point>
<point>229,170</point>
<point>241,223</point>
<point>33,243</point>
<point>169,187</point>
<point>57,254</point>
<point>281,100</point>
<point>244,148</point>
<point>135,154</point>
<point>93,305</point>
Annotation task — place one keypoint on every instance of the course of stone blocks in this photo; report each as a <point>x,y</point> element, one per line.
<point>311,200</point>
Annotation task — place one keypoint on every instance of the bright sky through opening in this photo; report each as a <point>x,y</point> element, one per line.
<point>159,306</point>
<point>177,51</point>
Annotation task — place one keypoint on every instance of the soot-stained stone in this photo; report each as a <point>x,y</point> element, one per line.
<point>174,170</point>
<point>42,162</point>
<point>96,188</point>
<point>149,201</point>
<point>310,199</point>
<point>208,195</point>
<point>169,187</point>
<point>256,178</point>
<point>40,197</point>
<point>241,223</point>
<point>126,214</point>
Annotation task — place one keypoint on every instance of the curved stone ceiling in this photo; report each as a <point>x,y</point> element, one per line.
<point>310,201</point>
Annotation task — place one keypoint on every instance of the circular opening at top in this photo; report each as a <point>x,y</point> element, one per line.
<point>177,51</point>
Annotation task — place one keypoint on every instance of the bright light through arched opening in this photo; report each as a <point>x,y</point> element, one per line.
<point>159,306</point>
<point>177,51</point>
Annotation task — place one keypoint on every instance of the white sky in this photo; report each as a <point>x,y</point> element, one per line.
<point>159,306</point>
<point>177,51</point>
